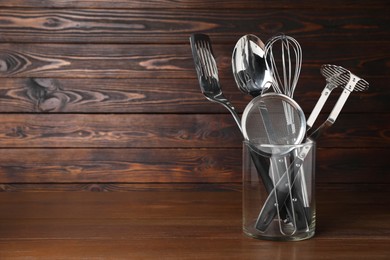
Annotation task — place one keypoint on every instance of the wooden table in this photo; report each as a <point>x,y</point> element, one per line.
<point>191,223</point>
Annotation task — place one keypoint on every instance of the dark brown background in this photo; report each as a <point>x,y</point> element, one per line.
<point>103,95</point>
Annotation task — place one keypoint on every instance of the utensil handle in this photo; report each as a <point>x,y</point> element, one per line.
<point>262,166</point>
<point>279,195</point>
<point>271,207</point>
<point>268,208</point>
<point>318,107</point>
<point>278,198</point>
<point>337,108</point>
<point>263,169</point>
<point>233,112</point>
<point>278,164</point>
<point>344,96</point>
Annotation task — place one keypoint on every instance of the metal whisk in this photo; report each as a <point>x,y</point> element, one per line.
<point>283,55</point>
<point>283,58</point>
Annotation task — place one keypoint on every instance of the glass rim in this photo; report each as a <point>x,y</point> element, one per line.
<point>284,147</point>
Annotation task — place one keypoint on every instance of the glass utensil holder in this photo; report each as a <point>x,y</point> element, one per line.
<point>279,191</point>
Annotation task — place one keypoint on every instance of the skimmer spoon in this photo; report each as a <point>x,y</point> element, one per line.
<point>249,68</point>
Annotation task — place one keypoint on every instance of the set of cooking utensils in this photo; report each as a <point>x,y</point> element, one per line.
<point>273,122</point>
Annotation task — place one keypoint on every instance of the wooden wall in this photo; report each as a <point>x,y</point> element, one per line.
<point>103,95</point>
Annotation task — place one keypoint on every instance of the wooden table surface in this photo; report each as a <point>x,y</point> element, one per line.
<point>353,223</point>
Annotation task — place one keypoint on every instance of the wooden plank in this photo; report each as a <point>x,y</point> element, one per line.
<point>168,131</point>
<point>118,187</point>
<point>168,61</point>
<point>183,224</point>
<point>198,4</point>
<point>118,165</point>
<point>172,166</point>
<point>357,165</point>
<point>96,57</point>
<point>373,100</point>
<point>174,247</point>
<point>120,130</point>
<point>357,130</point>
<point>150,95</point>
<point>173,26</point>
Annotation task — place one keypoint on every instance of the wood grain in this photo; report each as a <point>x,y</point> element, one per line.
<point>172,247</point>
<point>103,165</point>
<point>102,96</point>
<point>198,4</point>
<point>151,26</point>
<point>119,187</point>
<point>168,131</point>
<point>150,95</point>
<point>167,61</point>
<point>119,165</point>
<point>184,225</point>
<point>147,95</point>
<point>119,130</point>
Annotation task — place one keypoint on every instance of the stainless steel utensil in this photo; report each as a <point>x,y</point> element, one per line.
<point>279,194</point>
<point>336,76</point>
<point>248,65</point>
<point>252,77</point>
<point>283,55</point>
<point>354,84</point>
<point>206,68</point>
<point>263,122</point>
<point>207,72</point>
<point>283,190</point>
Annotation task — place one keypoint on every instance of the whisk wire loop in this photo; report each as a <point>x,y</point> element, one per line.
<point>284,59</point>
